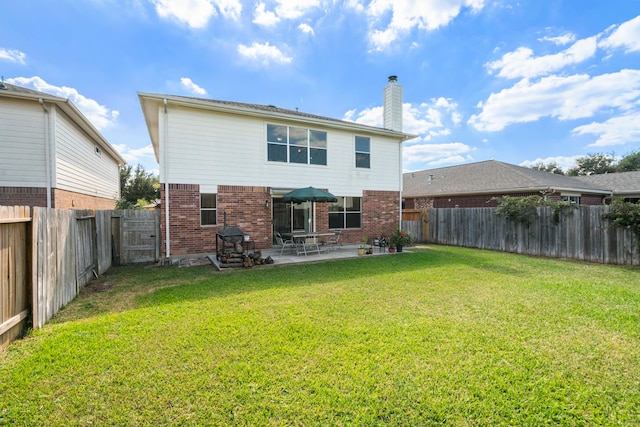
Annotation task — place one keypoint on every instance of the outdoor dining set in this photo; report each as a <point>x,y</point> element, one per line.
<point>303,243</point>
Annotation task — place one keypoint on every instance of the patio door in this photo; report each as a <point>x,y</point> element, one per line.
<point>292,217</point>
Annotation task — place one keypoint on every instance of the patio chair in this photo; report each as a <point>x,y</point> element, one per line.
<point>334,241</point>
<point>284,243</point>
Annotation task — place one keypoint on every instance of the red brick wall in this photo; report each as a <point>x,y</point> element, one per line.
<point>60,199</point>
<point>23,196</point>
<point>485,201</point>
<point>63,199</point>
<point>380,213</point>
<point>245,208</point>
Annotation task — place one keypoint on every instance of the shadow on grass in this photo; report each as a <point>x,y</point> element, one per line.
<point>420,259</point>
<point>130,287</point>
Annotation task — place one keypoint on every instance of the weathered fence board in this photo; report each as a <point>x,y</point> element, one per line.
<point>15,225</point>
<point>581,234</point>
<point>47,255</point>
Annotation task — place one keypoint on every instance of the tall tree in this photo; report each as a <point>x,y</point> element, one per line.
<point>592,164</point>
<point>137,185</point>
<point>630,162</point>
<point>549,167</point>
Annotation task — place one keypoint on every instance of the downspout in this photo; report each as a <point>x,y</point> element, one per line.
<point>400,187</point>
<point>47,150</point>
<point>167,237</point>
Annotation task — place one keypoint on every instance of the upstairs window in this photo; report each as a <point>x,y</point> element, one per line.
<point>346,213</point>
<point>363,152</point>
<point>208,209</point>
<point>289,144</point>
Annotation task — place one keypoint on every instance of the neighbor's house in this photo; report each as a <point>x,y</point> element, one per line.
<point>625,185</point>
<point>51,155</point>
<point>476,184</point>
<point>230,161</point>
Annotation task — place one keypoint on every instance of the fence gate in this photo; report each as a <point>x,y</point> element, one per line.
<point>140,236</point>
<point>87,259</point>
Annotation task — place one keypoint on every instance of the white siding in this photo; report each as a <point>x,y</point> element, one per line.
<point>219,149</point>
<point>22,139</point>
<point>78,167</point>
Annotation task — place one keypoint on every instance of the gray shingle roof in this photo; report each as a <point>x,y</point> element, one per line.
<point>242,107</point>
<point>10,89</point>
<point>491,177</point>
<point>621,183</point>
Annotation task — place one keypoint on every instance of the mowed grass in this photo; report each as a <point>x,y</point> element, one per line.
<point>440,336</point>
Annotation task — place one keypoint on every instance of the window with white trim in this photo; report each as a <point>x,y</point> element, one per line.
<point>290,144</point>
<point>571,200</point>
<point>346,213</point>
<point>363,152</point>
<point>208,209</point>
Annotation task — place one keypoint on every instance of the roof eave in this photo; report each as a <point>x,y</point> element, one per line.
<point>211,105</point>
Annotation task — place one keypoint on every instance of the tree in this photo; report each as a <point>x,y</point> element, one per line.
<point>630,162</point>
<point>593,164</point>
<point>550,167</point>
<point>139,187</point>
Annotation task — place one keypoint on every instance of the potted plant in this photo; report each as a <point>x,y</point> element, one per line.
<point>399,239</point>
<point>363,246</point>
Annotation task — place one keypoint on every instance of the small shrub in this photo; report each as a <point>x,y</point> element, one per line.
<point>625,215</point>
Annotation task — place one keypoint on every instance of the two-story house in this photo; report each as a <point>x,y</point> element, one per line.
<point>51,155</point>
<point>230,161</point>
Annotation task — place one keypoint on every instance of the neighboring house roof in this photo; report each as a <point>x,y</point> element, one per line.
<point>151,102</point>
<point>622,183</point>
<point>490,177</point>
<point>11,91</point>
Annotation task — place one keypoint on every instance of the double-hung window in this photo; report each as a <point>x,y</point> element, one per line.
<point>208,209</point>
<point>290,144</point>
<point>346,213</point>
<point>363,152</point>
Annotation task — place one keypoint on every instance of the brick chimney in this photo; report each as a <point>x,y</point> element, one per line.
<point>393,105</point>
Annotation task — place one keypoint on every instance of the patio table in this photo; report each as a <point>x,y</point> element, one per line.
<point>304,246</point>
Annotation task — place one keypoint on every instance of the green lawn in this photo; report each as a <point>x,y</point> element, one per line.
<point>440,336</point>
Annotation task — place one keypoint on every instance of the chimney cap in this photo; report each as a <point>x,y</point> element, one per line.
<point>393,79</point>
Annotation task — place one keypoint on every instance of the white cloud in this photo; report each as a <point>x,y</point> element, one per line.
<point>559,40</point>
<point>197,13</point>
<point>188,84</point>
<point>565,98</point>
<point>13,55</point>
<point>263,17</point>
<point>409,14</point>
<point>429,119</point>
<point>626,35</point>
<point>564,162</point>
<point>99,115</point>
<point>133,156</point>
<point>306,28</point>
<point>615,131</point>
<point>263,53</point>
<point>293,9</point>
<point>522,63</point>
<point>431,155</point>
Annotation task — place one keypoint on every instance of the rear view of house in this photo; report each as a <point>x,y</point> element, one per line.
<point>230,162</point>
<point>51,155</point>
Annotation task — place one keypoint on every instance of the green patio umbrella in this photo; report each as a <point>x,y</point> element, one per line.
<point>309,194</point>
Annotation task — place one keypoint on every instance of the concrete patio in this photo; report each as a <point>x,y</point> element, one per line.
<point>344,251</point>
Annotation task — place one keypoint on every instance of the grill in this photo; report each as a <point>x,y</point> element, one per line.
<point>227,238</point>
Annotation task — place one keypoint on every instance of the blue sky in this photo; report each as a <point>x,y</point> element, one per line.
<point>520,81</point>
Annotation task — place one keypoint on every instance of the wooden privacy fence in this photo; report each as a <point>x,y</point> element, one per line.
<point>581,234</point>
<point>15,276</point>
<point>48,255</point>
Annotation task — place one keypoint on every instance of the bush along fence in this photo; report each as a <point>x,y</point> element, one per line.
<point>48,255</point>
<point>582,232</point>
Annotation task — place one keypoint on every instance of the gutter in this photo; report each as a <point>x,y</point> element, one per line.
<point>47,149</point>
